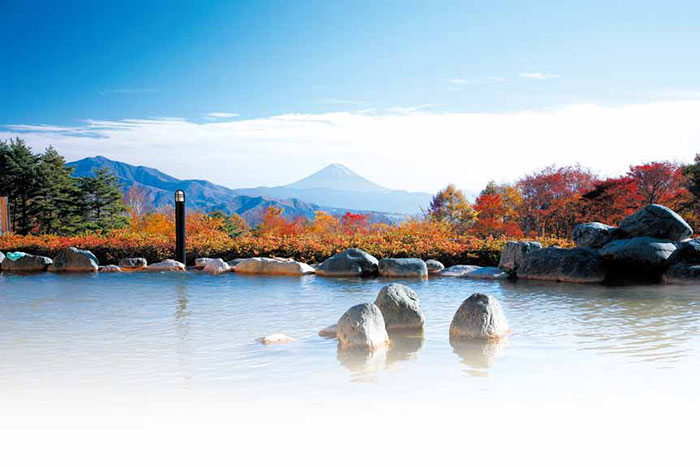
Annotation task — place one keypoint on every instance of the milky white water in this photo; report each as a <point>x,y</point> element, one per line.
<point>102,350</point>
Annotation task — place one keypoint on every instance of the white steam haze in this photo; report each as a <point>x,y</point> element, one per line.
<point>416,149</point>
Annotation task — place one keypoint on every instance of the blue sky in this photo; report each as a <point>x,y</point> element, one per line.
<point>68,63</point>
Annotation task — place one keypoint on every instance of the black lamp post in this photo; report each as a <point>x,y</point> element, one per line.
<point>180,226</point>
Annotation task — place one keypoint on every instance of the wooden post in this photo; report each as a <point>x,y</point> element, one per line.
<point>4,215</point>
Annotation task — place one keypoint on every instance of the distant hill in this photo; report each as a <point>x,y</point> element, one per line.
<point>338,186</point>
<point>206,196</point>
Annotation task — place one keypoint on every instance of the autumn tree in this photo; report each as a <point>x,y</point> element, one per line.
<point>660,183</point>
<point>138,200</point>
<point>552,199</point>
<point>497,211</point>
<point>611,200</point>
<point>451,206</point>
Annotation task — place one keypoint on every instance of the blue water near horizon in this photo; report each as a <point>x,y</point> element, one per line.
<point>194,332</point>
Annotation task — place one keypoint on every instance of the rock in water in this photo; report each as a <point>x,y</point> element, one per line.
<point>110,268</point>
<point>2,258</point>
<point>488,273</point>
<point>362,327</point>
<point>434,266</point>
<point>593,234</point>
<point>682,273</point>
<point>216,266</point>
<point>479,317</point>
<point>167,265</point>
<point>403,267</point>
<point>275,339</point>
<point>235,262</point>
<point>656,221</point>
<point>74,260</point>
<point>513,254</point>
<point>352,262</point>
<point>133,263</point>
<point>273,267</point>
<point>199,263</point>
<point>26,263</point>
<point>641,254</point>
<point>400,308</point>
<point>459,270</point>
<point>578,265</point>
<point>330,331</point>
<point>687,252</point>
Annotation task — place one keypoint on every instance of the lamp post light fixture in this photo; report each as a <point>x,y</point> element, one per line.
<point>180,226</point>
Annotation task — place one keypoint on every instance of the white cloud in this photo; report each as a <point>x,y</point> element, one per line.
<point>539,76</point>
<point>222,115</point>
<point>415,150</point>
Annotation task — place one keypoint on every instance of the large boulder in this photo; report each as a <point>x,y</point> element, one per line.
<point>593,234</point>
<point>656,221</point>
<point>479,317</point>
<point>133,263</point>
<point>199,263</point>
<point>26,263</point>
<point>638,255</point>
<point>74,260</point>
<point>235,262</point>
<point>434,266</point>
<point>273,267</point>
<point>352,262</point>
<point>682,273</point>
<point>488,273</point>
<point>167,265</point>
<point>400,308</point>
<point>403,267</point>
<point>514,253</point>
<point>459,270</point>
<point>578,265</point>
<point>362,327</point>
<point>687,252</point>
<point>216,266</point>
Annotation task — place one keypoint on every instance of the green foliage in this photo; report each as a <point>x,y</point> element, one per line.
<point>45,198</point>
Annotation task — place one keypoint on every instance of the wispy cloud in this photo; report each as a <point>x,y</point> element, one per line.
<point>222,115</point>
<point>408,150</point>
<point>131,91</point>
<point>538,75</point>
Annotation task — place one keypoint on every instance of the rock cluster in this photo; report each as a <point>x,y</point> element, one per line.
<point>649,245</point>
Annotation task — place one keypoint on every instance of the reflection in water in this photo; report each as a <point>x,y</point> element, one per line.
<point>404,346</point>
<point>363,364</point>
<point>478,355</point>
<point>182,328</point>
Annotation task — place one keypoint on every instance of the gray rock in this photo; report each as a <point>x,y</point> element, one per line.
<point>578,265</point>
<point>199,263</point>
<point>593,234</point>
<point>74,260</point>
<point>2,258</point>
<point>235,262</point>
<point>331,331</point>
<point>352,262</point>
<point>216,266</point>
<point>403,267</point>
<point>434,266</point>
<point>479,317</point>
<point>459,270</point>
<point>687,252</point>
<point>638,254</point>
<point>167,265</point>
<point>682,273</point>
<point>110,268</point>
<point>400,308</point>
<point>488,273</point>
<point>513,254</point>
<point>362,327</point>
<point>656,221</point>
<point>27,263</point>
<point>133,263</point>
<point>273,267</point>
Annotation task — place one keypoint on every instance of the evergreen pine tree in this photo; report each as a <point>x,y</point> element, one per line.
<point>101,203</point>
